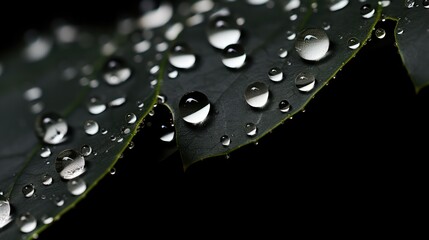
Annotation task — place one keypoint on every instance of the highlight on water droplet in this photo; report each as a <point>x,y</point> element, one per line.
<point>233,56</point>
<point>312,44</point>
<point>194,107</point>
<point>130,118</point>
<point>305,82</point>
<point>256,94</point>
<point>4,211</point>
<point>282,52</point>
<point>70,164</point>
<point>86,150</point>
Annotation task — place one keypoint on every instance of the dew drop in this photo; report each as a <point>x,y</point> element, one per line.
<point>284,106</point>
<point>130,118</point>
<point>70,164</point>
<point>86,150</point>
<point>33,93</point>
<point>104,131</point>
<point>380,33</point>
<point>26,223</point>
<point>367,11</point>
<point>156,17</point>
<point>66,33</point>
<point>45,152</point>
<point>335,5</point>
<point>312,44</point>
<point>37,107</point>
<point>117,102</point>
<point>290,35</point>
<point>182,57</point>
<point>95,106</point>
<point>125,130</point>
<point>173,74</point>
<point>305,82</point>
<point>384,3</point>
<point>51,128</point>
<point>233,56</point>
<point>353,43</point>
<point>256,94</point>
<point>409,3</point>
<point>131,145</point>
<point>223,31</point>
<point>173,31</point>
<point>194,107</point>
<point>425,3</point>
<point>282,53</point>
<point>225,140</point>
<point>4,211</point>
<point>76,186</point>
<point>28,190</point>
<point>91,127</point>
<point>251,129</point>
<point>112,171</point>
<point>47,179</point>
<point>400,31</point>
<point>59,201</point>
<point>116,71</point>
<point>46,220</point>
<point>112,138</point>
<point>326,26</point>
<point>275,74</point>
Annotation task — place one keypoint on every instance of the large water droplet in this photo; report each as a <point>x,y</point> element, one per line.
<point>380,33</point>
<point>51,128</point>
<point>91,127</point>
<point>305,82</point>
<point>26,223</point>
<point>76,186</point>
<point>425,3</point>
<point>335,5</point>
<point>284,106</point>
<point>223,31</point>
<point>256,94</point>
<point>275,74</point>
<point>47,179</point>
<point>28,190</point>
<point>33,93</point>
<point>116,71</point>
<point>182,57</point>
<point>233,56</point>
<point>70,164</point>
<point>95,106</point>
<point>45,152</point>
<point>194,107</point>
<point>86,150</point>
<point>130,118</point>
<point>4,211</point>
<point>312,44</point>
<point>409,3</point>
<point>225,140</point>
<point>251,129</point>
<point>367,11</point>
<point>353,43</point>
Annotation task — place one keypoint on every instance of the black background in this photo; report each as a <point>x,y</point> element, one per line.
<point>361,143</point>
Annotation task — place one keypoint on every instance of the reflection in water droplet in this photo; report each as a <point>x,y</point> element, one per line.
<point>181,57</point>
<point>380,33</point>
<point>76,186</point>
<point>353,43</point>
<point>116,71</point>
<point>194,107</point>
<point>251,129</point>
<point>91,127</point>
<point>256,94</point>
<point>95,106</point>
<point>409,3</point>
<point>70,164</point>
<point>225,140</point>
<point>47,179</point>
<point>4,211</point>
<point>400,31</point>
<point>312,44</point>
<point>130,118</point>
<point>26,223</point>
<point>233,56</point>
<point>335,5</point>
<point>45,152</point>
<point>51,128</point>
<point>167,133</point>
<point>117,102</point>
<point>86,150</point>
<point>367,11</point>
<point>33,93</point>
<point>275,74</point>
<point>305,82</point>
<point>283,52</point>
<point>284,106</point>
<point>223,31</point>
<point>104,131</point>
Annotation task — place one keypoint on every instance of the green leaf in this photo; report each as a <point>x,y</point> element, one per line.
<point>412,38</point>
<point>264,32</point>
<point>63,81</point>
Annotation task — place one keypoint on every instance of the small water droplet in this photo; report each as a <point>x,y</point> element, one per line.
<point>275,74</point>
<point>116,71</point>
<point>256,94</point>
<point>140,104</point>
<point>305,82</point>
<point>380,33</point>
<point>117,102</point>
<point>45,152</point>
<point>142,46</point>
<point>400,31</point>
<point>384,3</point>
<point>292,4</point>
<point>173,31</point>
<point>33,93</point>
<point>154,69</point>
<point>290,35</point>
<point>51,128</point>
<point>120,139</point>
<point>283,53</point>
<point>112,138</point>
<point>335,5</point>
<point>104,131</point>
<point>173,74</point>
<point>425,3</point>
<point>367,11</point>
<point>194,107</point>
<point>257,2</point>
<point>156,17</point>
<point>125,130</point>
<point>284,106</point>
<point>91,127</point>
<point>59,201</point>
<point>130,118</point>
<point>70,164</point>
<point>312,44</point>
<point>46,220</point>
<point>95,106</point>
<point>182,57</point>
<point>409,3</point>
<point>251,129</point>
<point>66,33</point>
<point>326,26</point>
<point>234,56</point>
<point>353,43</point>
<point>26,223</point>
<point>131,145</point>
<point>37,107</point>
<point>223,31</point>
<point>225,140</point>
<point>4,211</point>
<point>28,190</point>
<point>76,186</point>
<point>86,150</point>
<point>47,179</point>
<point>112,171</point>
<point>38,48</point>
<point>167,133</point>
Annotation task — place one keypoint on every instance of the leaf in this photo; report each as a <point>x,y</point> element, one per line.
<point>63,81</point>
<point>412,37</point>
<point>265,30</point>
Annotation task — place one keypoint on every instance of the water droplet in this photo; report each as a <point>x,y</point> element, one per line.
<point>400,31</point>
<point>409,3</point>
<point>117,102</point>
<point>70,164</point>
<point>112,138</point>
<point>66,33</point>
<point>425,3</point>
<point>112,171</point>
<point>156,17</point>
<point>275,74</point>
<point>384,3</point>
<point>290,35</point>
<point>182,57</point>
<point>51,128</point>
<point>38,48</point>
<point>76,186</point>
<point>367,11</point>
<point>335,5</point>
<point>26,223</point>
<point>95,106</point>
<point>125,130</point>
<point>284,106</point>
<point>173,31</point>
<point>380,33</point>
<point>116,71</point>
<point>104,131</point>
<point>257,2</point>
<point>312,44</point>
<point>167,133</point>
<point>4,211</point>
<point>256,94</point>
<point>86,150</point>
<point>47,179</point>
<point>305,82</point>
<point>142,46</point>
<point>293,17</point>
<point>130,118</point>
<point>131,145</point>
<point>173,74</point>
<point>225,140</point>
<point>91,127</point>
<point>59,201</point>
<point>33,93</point>
<point>45,152</point>
<point>251,129</point>
<point>283,52</point>
<point>233,56</point>
<point>120,139</point>
<point>326,26</point>
<point>223,31</point>
<point>353,43</point>
<point>28,190</point>
<point>37,107</point>
<point>292,4</point>
<point>194,107</point>
<point>46,220</point>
